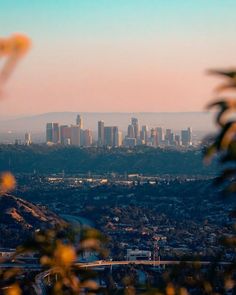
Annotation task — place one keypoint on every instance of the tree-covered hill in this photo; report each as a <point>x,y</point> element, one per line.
<point>44,159</point>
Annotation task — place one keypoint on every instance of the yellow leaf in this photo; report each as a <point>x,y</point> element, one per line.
<point>13,290</point>
<point>183,291</point>
<point>64,255</point>
<point>7,182</point>
<point>170,290</point>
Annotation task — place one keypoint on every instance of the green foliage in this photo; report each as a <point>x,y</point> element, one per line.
<point>143,160</point>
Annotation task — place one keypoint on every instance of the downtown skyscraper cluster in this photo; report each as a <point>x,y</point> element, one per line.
<point>136,136</point>
<point>111,136</point>
<point>74,135</point>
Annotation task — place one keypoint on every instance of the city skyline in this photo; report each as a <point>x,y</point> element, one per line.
<point>111,136</point>
<point>117,56</point>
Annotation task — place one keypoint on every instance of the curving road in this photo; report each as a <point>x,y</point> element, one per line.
<point>40,287</point>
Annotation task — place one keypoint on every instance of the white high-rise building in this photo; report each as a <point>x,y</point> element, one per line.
<point>28,140</point>
<point>144,134</point>
<point>117,137</point>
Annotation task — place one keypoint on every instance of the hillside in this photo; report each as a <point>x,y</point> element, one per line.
<point>20,218</point>
<point>143,160</point>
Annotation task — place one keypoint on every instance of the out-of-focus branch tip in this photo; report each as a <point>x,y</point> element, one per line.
<point>12,50</point>
<point>7,182</point>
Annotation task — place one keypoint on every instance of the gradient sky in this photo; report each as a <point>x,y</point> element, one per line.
<point>117,55</point>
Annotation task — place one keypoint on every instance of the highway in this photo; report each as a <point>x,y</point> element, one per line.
<point>40,286</point>
<point>26,266</point>
<point>143,262</point>
<point>111,263</point>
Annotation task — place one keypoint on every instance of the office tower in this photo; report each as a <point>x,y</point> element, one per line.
<point>153,137</point>
<point>117,137</point>
<point>130,142</point>
<point>186,137</point>
<point>49,132</point>
<point>120,138</point>
<point>52,133</point>
<point>79,121</point>
<point>65,134</point>
<point>168,134</point>
<point>131,131</point>
<point>169,137</point>
<point>17,142</point>
<point>190,135</point>
<point>144,134</point>
<point>88,137</point>
<point>109,136</point>
<point>100,133</point>
<point>56,133</point>
<point>28,138</point>
<point>134,123</point>
<point>177,140</point>
<point>159,135</point>
<point>75,135</point>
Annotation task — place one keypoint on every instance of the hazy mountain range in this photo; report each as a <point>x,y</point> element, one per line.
<point>201,122</point>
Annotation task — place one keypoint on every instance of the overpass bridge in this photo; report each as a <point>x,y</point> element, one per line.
<point>40,279</point>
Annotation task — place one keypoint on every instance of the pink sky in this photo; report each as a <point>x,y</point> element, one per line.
<point>117,64</point>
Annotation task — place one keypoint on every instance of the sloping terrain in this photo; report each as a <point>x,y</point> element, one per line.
<point>20,218</point>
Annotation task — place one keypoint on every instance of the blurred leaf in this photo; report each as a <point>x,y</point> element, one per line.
<point>224,106</point>
<point>227,73</point>
<point>13,290</point>
<point>7,182</point>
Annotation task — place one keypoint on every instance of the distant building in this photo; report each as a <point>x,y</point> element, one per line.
<point>137,254</point>
<point>49,132</point>
<point>169,137</point>
<point>75,135</point>
<point>159,135</point>
<point>28,140</point>
<point>120,138</point>
<point>144,134</point>
<point>88,137</point>
<point>177,140</point>
<point>79,121</point>
<point>112,136</point>
<point>186,137</point>
<point>117,137</point>
<point>130,132</point>
<point>108,136</point>
<point>52,133</point>
<point>65,134</point>
<point>101,137</point>
<point>153,137</point>
<point>130,142</point>
<point>134,123</point>
<point>17,141</point>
